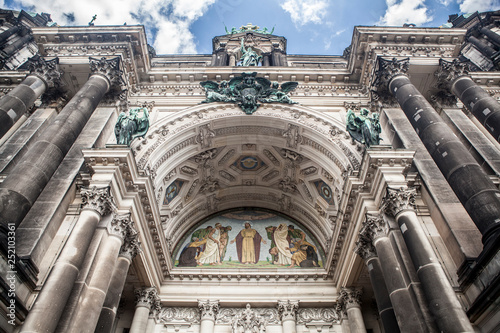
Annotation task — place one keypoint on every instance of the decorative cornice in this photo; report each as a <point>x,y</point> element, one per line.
<point>208,309</point>
<point>350,298</point>
<point>398,200</point>
<point>147,297</point>
<point>288,309</point>
<point>109,68</point>
<point>449,71</point>
<point>97,199</point>
<point>46,70</point>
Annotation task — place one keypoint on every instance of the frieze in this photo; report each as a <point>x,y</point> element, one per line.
<point>321,315</point>
<point>187,170</point>
<point>309,171</point>
<point>270,175</point>
<point>226,175</point>
<point>178,147</point>
<point>170,315</point>
<point>271,157</point>
<point>226,157</point>
<point>190,192</point>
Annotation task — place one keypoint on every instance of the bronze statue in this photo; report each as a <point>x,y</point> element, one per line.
<point>248,56</point>
<point>133,125</point>
<point>363,128</point>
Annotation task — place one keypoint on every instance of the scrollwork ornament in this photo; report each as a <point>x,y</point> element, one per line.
<point>288,309</point>
<point>327,315</point>
<point>208,309</point>
<point>399,200</point>
<point>97,199</point>
<point>179,314</point>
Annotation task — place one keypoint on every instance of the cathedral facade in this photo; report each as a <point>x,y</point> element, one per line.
<point>250,190</point>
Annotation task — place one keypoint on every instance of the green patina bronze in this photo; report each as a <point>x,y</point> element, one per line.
<point>131,125</point>
<point>363,128</point>
<point>247,91</point>
<point>248,56</point>
<point>248,28</point>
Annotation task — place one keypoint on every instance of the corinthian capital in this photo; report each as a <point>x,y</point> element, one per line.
<point>398,200</point>
<point>131,246</point>
<point>97,199</point>
<point>147,297</point>
<point>208,309</point>
<point>350,298</point>
<point>388,69</point>
<point>121,225</point>
<point>449,71</point>
<point>288,309</point>
<point>109,68</point>
<point>374,227</point>
<point>46,70</point>
<point>365,249</point>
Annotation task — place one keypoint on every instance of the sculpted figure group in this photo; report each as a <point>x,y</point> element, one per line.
<point>288,246</point>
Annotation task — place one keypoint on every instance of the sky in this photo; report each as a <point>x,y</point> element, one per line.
<point>322,27</point>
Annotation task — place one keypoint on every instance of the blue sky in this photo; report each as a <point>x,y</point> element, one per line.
<point>310,26</point>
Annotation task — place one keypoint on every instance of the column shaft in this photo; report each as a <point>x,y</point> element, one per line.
<point>140,321</point>
<point>45,314</point>
<point>110,306</point>
<point>25,183</point>
<point>356,323</point>
<point>385,309</point>
<point>17,45</point>
<point>472,186</point>
<point>482,46</point>
<point>151,324</point>
<point>92,298</point>
<point>289,326</point>
<point>405,307</point>
<point>441,299</point>
<point>485,108</point>
<point>206,325</point>
<point>19,100</point>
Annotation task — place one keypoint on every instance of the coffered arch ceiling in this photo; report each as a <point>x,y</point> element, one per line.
<point>213,157</point>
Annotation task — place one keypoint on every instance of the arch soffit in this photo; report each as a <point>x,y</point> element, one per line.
<point>210,136</point>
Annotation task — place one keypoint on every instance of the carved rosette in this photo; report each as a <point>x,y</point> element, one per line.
<point>97,199</point>
<point>47,70</point>
<point>350,298</point>
<point>288,310</point>
<point>147,297</point>
<point>374,227</point>
<point>449,71</point>
<point>399,200</point>
<point>365,249</point>
<point>131,246</point>
<point>208,309</point>
<point>109,68</point>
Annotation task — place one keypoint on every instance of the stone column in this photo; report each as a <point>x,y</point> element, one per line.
<point>208,311</point>
<point>405,306</point>
<point>151,322</point>
<point>482,46</point>
<point>46,312</point>
<point>7,33</point>
<point>350,301</point>
<point>442,300</point>
<point>146,299</point>
<point>493,36</point>
<point>453,76</point>
<point>129,250</point>
<point>24,184</point>
<point>288,314</point>
<point>367,251</point>
<point>16,45</point>
<point>44,74</point>
<point>232,60</point>
<point>92,298</point>
<point>477,193</point>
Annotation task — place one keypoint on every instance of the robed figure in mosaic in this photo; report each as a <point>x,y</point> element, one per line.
<point>248,245</point>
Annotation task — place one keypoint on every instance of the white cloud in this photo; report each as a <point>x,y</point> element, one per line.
<point>405,11</point>
<point>305,11</point>
<point>470,6</point>
<point>167,20</point>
